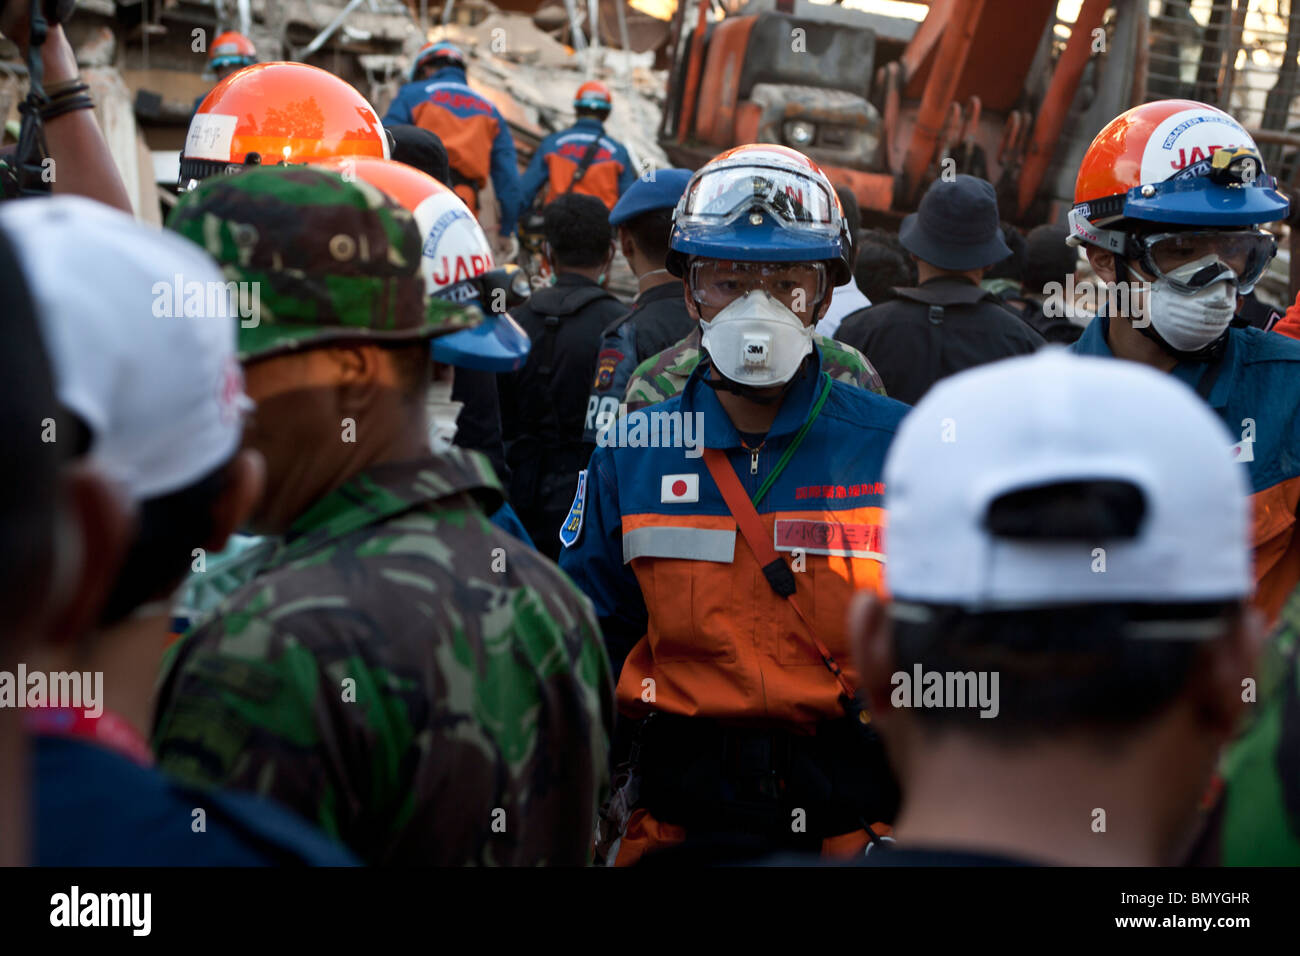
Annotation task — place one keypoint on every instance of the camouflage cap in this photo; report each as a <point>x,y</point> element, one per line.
<point>326,260</point>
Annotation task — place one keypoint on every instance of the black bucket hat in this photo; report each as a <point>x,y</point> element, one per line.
<point>956,226</point>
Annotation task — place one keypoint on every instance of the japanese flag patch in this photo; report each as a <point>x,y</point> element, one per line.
<point>572,527</point>
<point>684,489</point>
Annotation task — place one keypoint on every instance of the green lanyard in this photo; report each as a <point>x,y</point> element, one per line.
<point>794,445</point>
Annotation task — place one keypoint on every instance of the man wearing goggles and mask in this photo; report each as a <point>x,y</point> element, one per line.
<point>722,574</point>
<point>1169,202</point>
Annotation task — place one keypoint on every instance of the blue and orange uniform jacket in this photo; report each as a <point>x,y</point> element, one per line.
<point>1257,394</point>
<point>559,156</point>
<point>473,131</point>
<point>682,599</point>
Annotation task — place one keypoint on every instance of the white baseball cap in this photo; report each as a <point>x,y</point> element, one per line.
<point>158,386</point>
<point>1049,418</point>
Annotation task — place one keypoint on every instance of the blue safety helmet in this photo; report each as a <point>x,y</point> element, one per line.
<point>440,50</point>
<point>499,343</point>
<point>761,203</point>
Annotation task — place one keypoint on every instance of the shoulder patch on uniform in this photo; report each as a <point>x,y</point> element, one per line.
<point>572,527</point>
<point>606,362</point>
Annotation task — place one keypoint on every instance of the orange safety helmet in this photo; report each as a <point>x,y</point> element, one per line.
<point>1171,161</point>
<point>593,96</point>
<point>231,49</point>
<point>278,113</point>
<point>456,263</point>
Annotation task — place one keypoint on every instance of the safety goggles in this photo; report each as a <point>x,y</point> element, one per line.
<point>716,283</point>
<point>1191,260</point>
<point>722,195</point>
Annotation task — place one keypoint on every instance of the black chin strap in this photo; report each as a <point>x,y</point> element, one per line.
<point>748,392</point>
<point>1206,353</point>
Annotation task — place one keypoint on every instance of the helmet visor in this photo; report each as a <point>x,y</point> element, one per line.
<point>795,199</point>
<point>1192,260</point>
<point>799,286</point>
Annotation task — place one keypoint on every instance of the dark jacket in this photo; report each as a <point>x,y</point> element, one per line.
<point>658,320</point>
<point>941,327</point>
<point>1056,329</point>
<point>544,404</point>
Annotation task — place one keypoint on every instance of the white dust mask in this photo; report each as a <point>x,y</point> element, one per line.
<point>1190,321</point>
<point>441,413</point>
<point>756,340</point>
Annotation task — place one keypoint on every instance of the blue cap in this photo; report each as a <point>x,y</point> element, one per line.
<point>661,192</point>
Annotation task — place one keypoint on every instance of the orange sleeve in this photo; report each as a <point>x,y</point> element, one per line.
<point>1289,324</point>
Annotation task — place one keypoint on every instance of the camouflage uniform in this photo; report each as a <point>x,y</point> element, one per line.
<point>1261,771</point>
<point>415,681</point>
<point>662,376</point>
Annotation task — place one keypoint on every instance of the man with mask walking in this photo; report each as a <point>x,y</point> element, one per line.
<point>1168,203</point>
<point>721,574</point>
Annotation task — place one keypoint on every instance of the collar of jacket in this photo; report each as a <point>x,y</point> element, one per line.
<point>560,299</point>
<point>1093,342</point>
<point>387,490</point>
<point>585,123</point>
<point>947,290</point>
<point>449,74</point>
<point>719,432</point>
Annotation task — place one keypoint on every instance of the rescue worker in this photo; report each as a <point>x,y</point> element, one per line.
<point>478,142</point>
<point>580,159</point>
<point>543,404</point>
<point>659,317</point>
<point>152,400</point>
<point>230,52</point>
<point>413,680</point>
<point>734,682</point>
<point>250,119</point>
<point>948,322</point>
<point>1168,204</point>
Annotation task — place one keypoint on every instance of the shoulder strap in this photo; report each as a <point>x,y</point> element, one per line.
<point>779,576</point>
<point>592,149</point>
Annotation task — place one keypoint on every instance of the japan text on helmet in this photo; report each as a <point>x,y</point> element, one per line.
<point>456,264</point>
<point>231,49</point>
<point>277,114</point>
<point>448,53</point>
<point>593,96</point>
<point>1175,163</point>
<point>761,203</point>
